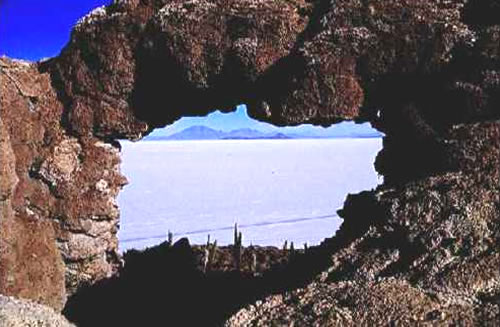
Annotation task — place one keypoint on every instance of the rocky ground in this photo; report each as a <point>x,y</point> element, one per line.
<point>421,248</point>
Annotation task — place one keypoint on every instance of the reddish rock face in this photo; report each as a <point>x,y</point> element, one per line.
<point>59,216</point>
<point>426,73</point>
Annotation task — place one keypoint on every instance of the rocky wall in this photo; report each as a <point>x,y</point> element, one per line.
<point>59,213</point>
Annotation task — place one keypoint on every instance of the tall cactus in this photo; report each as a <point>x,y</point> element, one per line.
<point>210,250</point>
<point>206,258</point>
<point>254,262</point>
<point>213,252</point>
<point>237,247</point>
<point>170,238</point>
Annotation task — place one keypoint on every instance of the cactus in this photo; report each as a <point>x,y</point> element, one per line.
<point>170,238</point>
<point>209,258</point>
<point>213,251</point>
<point>206,259</point>
<point>237,235</point>
<point>285,245</point>
<point>254,262</point>
<point>237,247</point>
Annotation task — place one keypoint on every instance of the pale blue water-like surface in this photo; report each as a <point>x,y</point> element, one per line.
<point>275,190</point>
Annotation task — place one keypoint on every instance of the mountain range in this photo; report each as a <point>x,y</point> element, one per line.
<point>200,132</point>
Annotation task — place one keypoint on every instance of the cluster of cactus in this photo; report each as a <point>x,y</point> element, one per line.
<point>210,251</point>
<point>292,247</point>
<point>237,247</point>
<point>291,250</point>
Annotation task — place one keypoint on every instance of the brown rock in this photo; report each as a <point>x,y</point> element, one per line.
<point>50,186</point>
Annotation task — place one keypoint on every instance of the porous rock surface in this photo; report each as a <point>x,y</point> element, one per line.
<point>59,214</point>
<point>422,247</point>
<point>24,313</point>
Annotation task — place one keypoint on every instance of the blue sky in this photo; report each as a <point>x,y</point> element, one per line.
<point>34,29</point>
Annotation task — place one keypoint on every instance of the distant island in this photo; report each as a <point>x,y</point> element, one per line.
<point>200,132</point>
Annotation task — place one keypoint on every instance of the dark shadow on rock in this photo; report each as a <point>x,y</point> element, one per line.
<point>160,285</point>
<point>59,87</point>
<point>164,285</point>
<point>158,73</point>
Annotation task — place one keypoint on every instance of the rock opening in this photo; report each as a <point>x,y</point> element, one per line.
<point>277,184</point>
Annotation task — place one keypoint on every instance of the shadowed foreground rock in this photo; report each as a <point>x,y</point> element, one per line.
<point>424,246</point>
<point>162,285</point>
